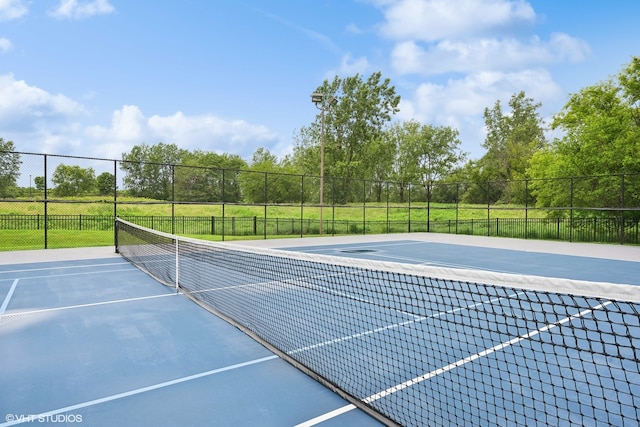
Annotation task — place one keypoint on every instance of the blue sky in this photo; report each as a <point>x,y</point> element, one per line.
<point>96,77</point>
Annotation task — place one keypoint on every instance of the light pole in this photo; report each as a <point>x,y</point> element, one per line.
<point>318,99</point>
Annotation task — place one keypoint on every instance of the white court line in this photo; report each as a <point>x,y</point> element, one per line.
<point>295,281</point>
<point>136,391</point>
<point>324,417</point>
<point>352,246</point>
<point>416,318</point>
<point>5,303</point>
<point>63,267</point>
<point>421,261</point>
<point>73,274</point>
<point>451,366</point>
<point>93,304</point>
<point>399,325</point>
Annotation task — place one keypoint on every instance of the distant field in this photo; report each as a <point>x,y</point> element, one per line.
<point>276,221</point>
<point>372,211</point>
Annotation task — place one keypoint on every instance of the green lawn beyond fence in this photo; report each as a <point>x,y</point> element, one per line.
<point>220,204</point>
<point>51,231</point>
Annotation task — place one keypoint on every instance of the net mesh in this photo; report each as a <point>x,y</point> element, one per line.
<point>416,345</point>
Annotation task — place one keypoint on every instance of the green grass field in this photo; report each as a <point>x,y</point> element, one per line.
<point>146,207</point>
<point>88,221</point>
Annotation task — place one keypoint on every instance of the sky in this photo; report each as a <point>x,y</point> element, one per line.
<point>97,77</point>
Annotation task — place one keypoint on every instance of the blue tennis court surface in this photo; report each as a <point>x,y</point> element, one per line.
<point>492,259</point>
<point>98,342</point>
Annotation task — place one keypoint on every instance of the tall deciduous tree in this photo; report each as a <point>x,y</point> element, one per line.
<point>39,183</point>
<point>353,130</point>
<point>73,180</point>
<point>148,169</point>
<point>512,139</point>
<point>424,154</point>
<point>105,182</point>
<point>9,168</point>
<point>270,180</point>
<point>601,127</point>
<point>204,176</point>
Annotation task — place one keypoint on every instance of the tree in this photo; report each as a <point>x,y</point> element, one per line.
<point>149,170</point>
<point>425,153</point>
<point>73,180</point>
<point>270,180</point>
<point>9,168</point>
<point>39,183</point>
<point>601,141</point>
<point>354,127</point>
<point>205,176</point>
<point>105,182</point>
<point>512,140</point>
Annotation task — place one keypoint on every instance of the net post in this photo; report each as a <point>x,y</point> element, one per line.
<point>115,234</point>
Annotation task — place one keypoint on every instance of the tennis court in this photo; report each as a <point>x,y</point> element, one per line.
<point>395,325</point>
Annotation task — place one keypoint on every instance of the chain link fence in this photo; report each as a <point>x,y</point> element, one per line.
<point>53,201</point>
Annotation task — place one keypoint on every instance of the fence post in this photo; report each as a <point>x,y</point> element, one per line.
<point>409,207</point>
<point>301,205</point>
<point>526,209</point>
<point>255,229</point>
<point>387,184</point>
<point>364,207</point>
<point>173,199</point>
<point>488,208</point>
<point>223,205</point>
<point>46,201</point>
<point>428,206</point>
<point>457,205</point>
<point>333,205</point>
<point>115,201</point>
<point>622,221</point>
<point>571,210</point>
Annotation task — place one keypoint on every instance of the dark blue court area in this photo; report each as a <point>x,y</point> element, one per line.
<point>97,342</point>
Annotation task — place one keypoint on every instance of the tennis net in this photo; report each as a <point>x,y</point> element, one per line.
<point>416,345</point>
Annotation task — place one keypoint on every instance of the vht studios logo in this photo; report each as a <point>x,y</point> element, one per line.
<point>57,418</point>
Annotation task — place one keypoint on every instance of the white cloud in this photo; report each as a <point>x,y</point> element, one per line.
<point>485,54</point>
<point>470,95</point>
<point>5,45</point>
<point>39,121</point>
<point>72,9</point>
<point>21,104</point>
<point>568,48</point>
<point>126,126</point>
<point>430,20</point>
<point>208,132</point>
<point>351,66</point>
<point>354,29</point>
<point>130,127</point>
<point>460,103</point>
<point>12,9</point>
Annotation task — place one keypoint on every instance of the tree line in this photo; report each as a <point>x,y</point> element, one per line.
<point>600,138</point>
